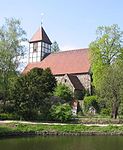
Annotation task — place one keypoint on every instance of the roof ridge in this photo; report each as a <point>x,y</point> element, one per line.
<point>72,50</point>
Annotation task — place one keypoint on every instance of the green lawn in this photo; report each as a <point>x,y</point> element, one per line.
<point>77,128</point>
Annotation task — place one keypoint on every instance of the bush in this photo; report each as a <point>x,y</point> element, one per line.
<point>105,112</point>
<point>120,111</point>
<point>28,115</point>
<point>63,92</point>
<point>8,108</point>
<point>91,101</point>
<point>5,116</point>
<point>61,112</point>
<point>79,94</point>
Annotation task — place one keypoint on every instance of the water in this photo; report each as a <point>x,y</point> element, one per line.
<point>63,143</point>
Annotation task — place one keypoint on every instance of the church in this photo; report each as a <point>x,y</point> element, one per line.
<point>69,67</point>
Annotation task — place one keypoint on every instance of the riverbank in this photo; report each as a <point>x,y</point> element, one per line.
<point>26,129</point>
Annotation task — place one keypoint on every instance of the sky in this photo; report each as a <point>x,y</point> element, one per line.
<point>72,23</point>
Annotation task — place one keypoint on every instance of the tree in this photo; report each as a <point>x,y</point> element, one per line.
<point>55,47</point>
<point>104,51</point>
<point>31,91</point>
<point>63,92</point>
<point>106,59</point>
<point>112,88</point>
<point>11,50</point>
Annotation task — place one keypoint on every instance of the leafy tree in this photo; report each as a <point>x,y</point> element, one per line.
<point>105,50</point>
<point>91,101</point>
<point>112,88</point>
<point>106,59</point>
<point>61,112</point>
<point>55,47</point>
<point>63,92</point>
<point>31,92</point>
<point>11,49</point>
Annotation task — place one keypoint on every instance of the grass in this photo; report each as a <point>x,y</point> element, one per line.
<point>99,120</point>
<point>77,128</point>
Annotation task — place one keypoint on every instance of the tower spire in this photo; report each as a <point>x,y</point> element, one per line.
<point>42,14</point>
<point>40,45</point>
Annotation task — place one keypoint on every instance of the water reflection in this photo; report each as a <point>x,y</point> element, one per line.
<point>63,143</point>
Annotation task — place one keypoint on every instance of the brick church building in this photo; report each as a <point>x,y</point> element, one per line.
<point>69,67</point>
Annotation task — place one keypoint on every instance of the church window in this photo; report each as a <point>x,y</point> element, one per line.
<point>43,44</point>
<point>35,47</point>
<point>48,46</point>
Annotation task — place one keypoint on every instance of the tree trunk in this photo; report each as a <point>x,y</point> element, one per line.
<point>114,112</point>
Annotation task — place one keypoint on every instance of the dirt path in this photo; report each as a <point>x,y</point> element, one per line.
<point>28,122</point>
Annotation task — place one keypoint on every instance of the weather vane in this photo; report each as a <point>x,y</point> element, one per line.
<point>42,14</point>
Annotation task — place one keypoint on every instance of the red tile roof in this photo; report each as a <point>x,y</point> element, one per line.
<point>40,35</point>
<point>65,62</point>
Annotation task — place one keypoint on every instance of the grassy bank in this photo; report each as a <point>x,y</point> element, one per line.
<point>13,129</point>
<point>99,120</point>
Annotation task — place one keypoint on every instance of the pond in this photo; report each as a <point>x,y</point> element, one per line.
<point>63,143</point>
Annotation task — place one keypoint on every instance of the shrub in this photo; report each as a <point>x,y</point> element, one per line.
<point>5,116</point>
<point>29,115</point>
<point>91,101</point>
<point>61,112</point>
<point>105,112</point>
<point>63,92</point>
<point>79,94</point>
<point>120,112</point>
<point>8,107</point>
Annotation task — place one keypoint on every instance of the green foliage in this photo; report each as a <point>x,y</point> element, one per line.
<point>5,116</point>
<point>31,90</point>
<point>79,95</point>
<point>105,112</point>
<point>28,114</point>
<point>106,61</point>
<point>11,51</point>
<point>104,51</point>
<point>61,112</point>
<point>55,47</point>
<point>63,92</point>
<point>120,111</point>
<point>8,108</point>
<point>112,88</point>
<point>91,101</point>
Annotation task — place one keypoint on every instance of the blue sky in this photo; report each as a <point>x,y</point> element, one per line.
<point>72,23</point>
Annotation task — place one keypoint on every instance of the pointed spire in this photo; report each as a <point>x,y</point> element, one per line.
<point>40,35</point>
<point>42,14</point>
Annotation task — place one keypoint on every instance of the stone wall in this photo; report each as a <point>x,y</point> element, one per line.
<point>85,79</point>
<point>65,80</point>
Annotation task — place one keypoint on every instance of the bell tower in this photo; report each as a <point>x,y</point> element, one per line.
<point>39,46</point>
